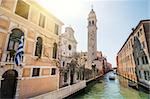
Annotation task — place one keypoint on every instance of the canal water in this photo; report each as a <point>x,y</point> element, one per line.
<point>111,89</point>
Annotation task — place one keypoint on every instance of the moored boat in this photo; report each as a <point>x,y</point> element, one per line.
<point>111,77</point>
<point>132,84</point>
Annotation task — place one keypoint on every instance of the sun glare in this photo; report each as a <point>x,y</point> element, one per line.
<point>63,8</point>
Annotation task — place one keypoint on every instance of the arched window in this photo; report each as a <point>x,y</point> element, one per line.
<point>38,50</point>
<point>65,77</point>
<point>69,47</point>
<point>89,22</point>
<point>55,51</point>
<point>93,22</point>
<point>14,38</point>
<point>63,63</point>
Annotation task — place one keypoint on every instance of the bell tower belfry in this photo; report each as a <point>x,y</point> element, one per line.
<point>92,38</point>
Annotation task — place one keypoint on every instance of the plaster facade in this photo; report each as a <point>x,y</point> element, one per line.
<point>133,59</point>
<point>12,18</point>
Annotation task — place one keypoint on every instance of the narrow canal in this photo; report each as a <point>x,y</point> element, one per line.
<point>111,89</point>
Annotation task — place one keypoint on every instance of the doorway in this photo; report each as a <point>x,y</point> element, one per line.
<point>8,84</point>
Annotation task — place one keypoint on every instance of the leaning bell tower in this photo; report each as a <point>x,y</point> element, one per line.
<point>92,38</point>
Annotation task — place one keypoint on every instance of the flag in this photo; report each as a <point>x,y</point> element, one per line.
<point>19,52</point>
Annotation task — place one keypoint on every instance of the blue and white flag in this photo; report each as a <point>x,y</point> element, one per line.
<point>19,52</point>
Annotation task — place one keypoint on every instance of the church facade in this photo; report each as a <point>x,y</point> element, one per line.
<point>67,46</point>
<point>66,53</point>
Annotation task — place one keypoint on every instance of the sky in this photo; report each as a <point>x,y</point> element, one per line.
<point>116,18</point>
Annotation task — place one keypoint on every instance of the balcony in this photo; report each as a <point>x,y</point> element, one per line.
<point>8,57</point>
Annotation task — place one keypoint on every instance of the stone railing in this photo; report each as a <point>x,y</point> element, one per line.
<point>62,92</point>
<point>8,58</point>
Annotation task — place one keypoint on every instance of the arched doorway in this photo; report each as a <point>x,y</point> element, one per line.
<point>8,84</point>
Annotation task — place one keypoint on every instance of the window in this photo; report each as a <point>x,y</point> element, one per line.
<point>14,38</point>
<point>145,76</point>
<point>140,74</point>
<point>138,34</point>
<point>141,31</point>
<point>55,51</point>
<point>89,22</point>
<point>78,75</point>
<point>53,71</point>
<point>138,61</point>
<point>42,20</point>
<point>148,73</point>
<point>143,45</point>
<point>93,22</point>
<point>35,72</point>
<point>63,63</point>
<point>38,50</point>
<point>146,60</point>
<point>13,43</point>
<point>56,29</point>
<point>129,45</point>
<point>65,77</point>
<point>69,47</point>
<point>22,9</point>
<point>143,60</point>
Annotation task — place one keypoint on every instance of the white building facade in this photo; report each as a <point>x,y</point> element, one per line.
<point>67,46</point>
<point>66,53</point>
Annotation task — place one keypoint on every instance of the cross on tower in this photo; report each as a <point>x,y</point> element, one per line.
<point>92,6</point>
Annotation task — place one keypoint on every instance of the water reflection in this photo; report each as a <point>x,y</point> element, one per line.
<point>111,89</point>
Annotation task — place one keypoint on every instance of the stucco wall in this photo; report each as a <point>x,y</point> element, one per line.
<point>33,87</point>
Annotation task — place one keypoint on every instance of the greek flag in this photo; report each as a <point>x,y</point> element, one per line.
<point>19,53</point>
